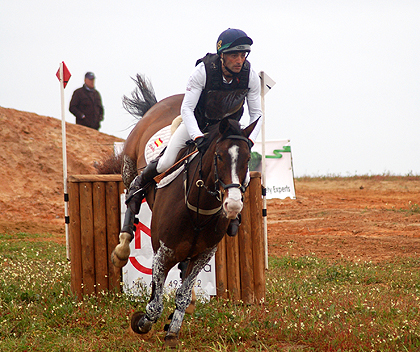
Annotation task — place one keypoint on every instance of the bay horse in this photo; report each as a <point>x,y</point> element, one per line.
<point>190,216</point>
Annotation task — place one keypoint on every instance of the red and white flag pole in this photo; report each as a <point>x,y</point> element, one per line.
<point>64,75</point>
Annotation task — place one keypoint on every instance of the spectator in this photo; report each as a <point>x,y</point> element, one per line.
<point>86,104</point>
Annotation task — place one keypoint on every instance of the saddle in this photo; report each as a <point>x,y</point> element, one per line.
<point>156,146</point>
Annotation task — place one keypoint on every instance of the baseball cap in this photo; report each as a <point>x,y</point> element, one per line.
<point>89,75</point>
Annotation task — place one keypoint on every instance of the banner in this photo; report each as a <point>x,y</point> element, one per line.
<point>279,168</point>
<point>137,273</point>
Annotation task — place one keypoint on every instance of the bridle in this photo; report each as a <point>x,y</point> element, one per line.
<point>216,193</point>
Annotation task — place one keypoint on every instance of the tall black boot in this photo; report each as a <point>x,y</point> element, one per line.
<point>138,186</point>
<point>233,227</point>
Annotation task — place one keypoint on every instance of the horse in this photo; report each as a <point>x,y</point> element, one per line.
<point>193,211</point>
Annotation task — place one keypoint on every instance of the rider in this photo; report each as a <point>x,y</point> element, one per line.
<point>217,88</point>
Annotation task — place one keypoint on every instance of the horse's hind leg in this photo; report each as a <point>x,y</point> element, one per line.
<point>183,296</point>
<point>121,252</point>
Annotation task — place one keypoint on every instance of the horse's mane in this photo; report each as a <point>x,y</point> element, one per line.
<point>143,97</point>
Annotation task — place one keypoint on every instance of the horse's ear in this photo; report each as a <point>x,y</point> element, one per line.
<point>250,128</point>
<point>224,126</point>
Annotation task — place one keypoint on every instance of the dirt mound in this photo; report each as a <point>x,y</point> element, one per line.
<point>31,168</point>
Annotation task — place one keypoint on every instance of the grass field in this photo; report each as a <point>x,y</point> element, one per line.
<point>311,305</point>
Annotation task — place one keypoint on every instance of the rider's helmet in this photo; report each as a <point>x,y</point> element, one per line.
<point>233,40</point>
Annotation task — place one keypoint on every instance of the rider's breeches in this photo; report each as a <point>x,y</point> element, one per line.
<point>176,143</point>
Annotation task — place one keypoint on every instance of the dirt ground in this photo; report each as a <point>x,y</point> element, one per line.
<point>376,218</point>
<point>372,219</point>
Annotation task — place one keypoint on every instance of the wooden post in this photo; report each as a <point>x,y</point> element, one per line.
<point>113,229</point>
<point>233,269</point>
<point>245,253</point>
<point>255,200</point>
<point>87,236</point>
<point>221,270</point>
<point>99,230</point>
<point>75,240</point>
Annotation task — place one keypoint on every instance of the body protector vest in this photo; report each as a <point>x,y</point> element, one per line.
<point>219,99</point>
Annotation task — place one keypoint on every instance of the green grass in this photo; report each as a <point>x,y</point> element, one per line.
<point>311,305</point>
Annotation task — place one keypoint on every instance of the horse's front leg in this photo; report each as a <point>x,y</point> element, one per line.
<point>121,252</point>
<point>183,295</point>
<point>141,323</point>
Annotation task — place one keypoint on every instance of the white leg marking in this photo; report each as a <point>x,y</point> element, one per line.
<point>183,294</point>
<point>155,307</point>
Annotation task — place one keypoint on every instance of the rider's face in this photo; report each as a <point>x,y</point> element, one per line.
<point>234,61</point>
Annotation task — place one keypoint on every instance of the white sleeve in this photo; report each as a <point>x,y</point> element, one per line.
<point>195,86</point>
<point>253,99</point>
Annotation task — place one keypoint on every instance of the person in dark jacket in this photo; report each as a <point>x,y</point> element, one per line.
<point>86,104</point>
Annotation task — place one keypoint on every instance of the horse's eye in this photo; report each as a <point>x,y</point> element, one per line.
<point>219,157</point>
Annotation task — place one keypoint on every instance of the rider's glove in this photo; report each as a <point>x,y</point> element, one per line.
<point>202,143</point>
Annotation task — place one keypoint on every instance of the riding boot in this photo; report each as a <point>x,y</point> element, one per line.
<point>138,186</point>
<point>233,227</point>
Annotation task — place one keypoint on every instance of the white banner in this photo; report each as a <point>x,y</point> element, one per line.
<point>137,273</point>
<point>279,168</point>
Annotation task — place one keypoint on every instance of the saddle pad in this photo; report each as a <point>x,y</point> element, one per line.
<point>154,147</point>
<point>157,143</point>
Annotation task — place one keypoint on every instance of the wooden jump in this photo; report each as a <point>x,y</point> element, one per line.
<point>94,211</point>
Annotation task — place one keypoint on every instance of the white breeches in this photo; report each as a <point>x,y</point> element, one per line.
<point>176,143</point>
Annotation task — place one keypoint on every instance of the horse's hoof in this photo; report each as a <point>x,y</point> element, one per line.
<point>121,252</point>
<point>140,337</point>
<point>139,324</point>
<point>171,340</point>
<point>117,262</point>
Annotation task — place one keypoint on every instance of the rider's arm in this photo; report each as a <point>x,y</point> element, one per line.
<point>254,103</point>
<point>195,86</point>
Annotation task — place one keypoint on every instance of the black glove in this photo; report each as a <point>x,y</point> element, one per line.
<point>202,144</point>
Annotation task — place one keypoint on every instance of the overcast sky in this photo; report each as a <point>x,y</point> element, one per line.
<point>347,73</point>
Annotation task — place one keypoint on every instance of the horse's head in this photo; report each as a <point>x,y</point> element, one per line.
<point>231,157</point>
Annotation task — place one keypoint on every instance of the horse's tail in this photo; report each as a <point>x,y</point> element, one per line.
<point>142,98</point>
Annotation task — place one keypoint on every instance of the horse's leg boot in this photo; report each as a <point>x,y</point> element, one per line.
<point>233,227</point>
<point>138,186</point>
